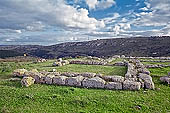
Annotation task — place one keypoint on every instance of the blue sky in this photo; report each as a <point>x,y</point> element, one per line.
<point>47,22</point>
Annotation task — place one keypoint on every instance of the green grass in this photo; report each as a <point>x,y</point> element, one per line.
<point>61,99</point>
<point>165,63</point>
<point>160,71</point>
<point>106,70</point>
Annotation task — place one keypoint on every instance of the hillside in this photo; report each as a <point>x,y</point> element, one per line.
<point>137,46</point>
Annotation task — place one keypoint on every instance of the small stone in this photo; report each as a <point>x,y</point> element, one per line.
<point>57,64</point>
<point>169,74</point>
<point>137,107</point>
<point>165,79</point>
<point>53,70</point>
<point>158,89</point>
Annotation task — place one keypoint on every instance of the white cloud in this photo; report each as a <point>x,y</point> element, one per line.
<point>91,3</point>
<point>103,4</point>
<point>38,13</point>
<point>144,9</point>
<point>112,18</point>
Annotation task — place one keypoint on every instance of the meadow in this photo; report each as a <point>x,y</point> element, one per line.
<point>41,98</point>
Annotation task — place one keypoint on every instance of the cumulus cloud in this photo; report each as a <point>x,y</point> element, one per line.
<point>103,4</point>
<point>38,13</point>
<point>158,16</point>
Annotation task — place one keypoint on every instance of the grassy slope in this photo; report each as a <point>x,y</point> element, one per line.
<point>61,99</point>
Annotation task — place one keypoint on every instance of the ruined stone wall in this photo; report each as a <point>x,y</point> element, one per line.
<point>137,77</point>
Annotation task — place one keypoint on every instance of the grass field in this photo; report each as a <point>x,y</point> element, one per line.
<point>165,63</point>
<point>61,99</point>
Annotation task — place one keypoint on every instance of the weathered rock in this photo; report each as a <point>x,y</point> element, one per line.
<point>99,75</point>
<point>27,81</point>
<point>113,78</point>
<point>131,85</point>
<point>42,80</point>
<point>169,74</point>
<point>123,56</point>
<point>57,64</point>
<point>34,75</point>
<point>74,81</point>
<point>60,60</point>
<point>86,62</point>
<point>144,70</point>
<point>131,71</point>
<point>131,79</point>
<point>19,72</point>
<point>59,80</point>
<point>114,85</point>
<point>148,83</point>
<point>49,79</point>
<point>88,75</point>
<point>53,70</point>
<point>119,64</point>
<point>70,74</point>
<point>65,61</point>
<point>34,71</point>
<point>56,73</point>
<point>142,83</point>
<point>128,75</point>
<point>95,82</point>
<point>165,79</point>
<point>139,65</point>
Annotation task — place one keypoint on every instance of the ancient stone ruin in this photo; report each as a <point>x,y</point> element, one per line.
<point>137,77</point>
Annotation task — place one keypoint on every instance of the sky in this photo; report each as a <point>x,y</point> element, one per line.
<point>48,22</point>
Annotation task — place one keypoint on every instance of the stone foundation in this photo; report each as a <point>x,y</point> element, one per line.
<point>137,76</point>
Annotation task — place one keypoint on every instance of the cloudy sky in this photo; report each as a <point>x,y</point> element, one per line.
<point>49,22</point>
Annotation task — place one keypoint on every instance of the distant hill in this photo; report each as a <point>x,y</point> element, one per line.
<point>136,46</point>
